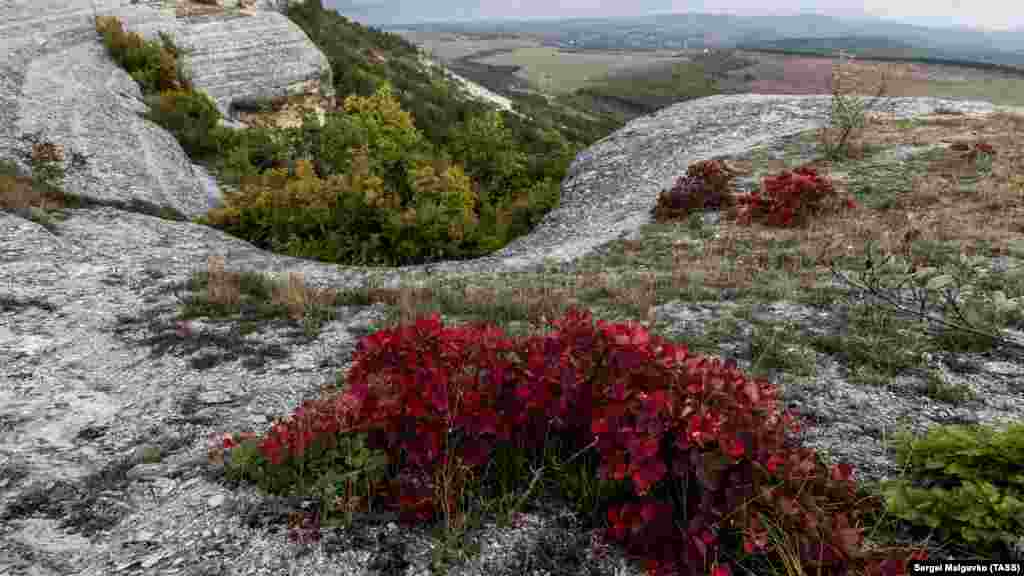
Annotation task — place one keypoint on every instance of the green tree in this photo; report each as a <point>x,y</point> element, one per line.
<point>486,148</point>
<point>379,124</point>
<point>192,117</point>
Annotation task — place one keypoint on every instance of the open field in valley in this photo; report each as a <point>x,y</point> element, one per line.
<point>446,46</point>
<point>637,83</point>
<point>559,71</point>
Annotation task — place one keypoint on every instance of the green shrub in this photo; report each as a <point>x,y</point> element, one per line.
<point>258,150</point>
<point>981,496</point>
<point>333,220</point>
<point>445,182</point>
<point>507,157</point>
<point>192,118</point>
<point>353,218</point>
<point>153,65</point>
<point>485,147</point>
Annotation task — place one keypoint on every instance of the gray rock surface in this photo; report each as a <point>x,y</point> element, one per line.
<point>252,57</point>
<point>58,85</point>
<point>93,369</point>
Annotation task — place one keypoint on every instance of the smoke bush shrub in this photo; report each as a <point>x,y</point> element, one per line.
<point>788,199</point>
<point>706,185</point>
<point>700,446</point>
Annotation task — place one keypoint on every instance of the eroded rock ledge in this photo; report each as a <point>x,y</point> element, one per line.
<point>58,85</point>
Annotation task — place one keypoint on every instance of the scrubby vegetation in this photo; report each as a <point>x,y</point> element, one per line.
<point>423,424</point>
<point>406,171</point>
<point>153,65</point>
<point>983,499</point>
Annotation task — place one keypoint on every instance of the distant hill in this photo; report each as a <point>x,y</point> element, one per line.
<point>861,44</point>
<point>881,48</point>
<point>728,31</point>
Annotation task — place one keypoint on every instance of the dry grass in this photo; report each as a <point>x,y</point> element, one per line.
<point>19,192</point>
<point>185,8</point>
<point>297,298</point>
<point>224,287</point>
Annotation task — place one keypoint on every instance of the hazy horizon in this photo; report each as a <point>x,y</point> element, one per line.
<point>984,15</point>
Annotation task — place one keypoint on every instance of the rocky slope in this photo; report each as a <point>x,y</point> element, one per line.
<point>58,85</point>
<point>96,375</point>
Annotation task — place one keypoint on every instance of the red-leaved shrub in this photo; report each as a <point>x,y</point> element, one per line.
<point>700,444</point>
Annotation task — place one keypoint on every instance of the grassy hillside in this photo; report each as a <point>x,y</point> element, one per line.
<point>646,91</point>
<point>364,58</point>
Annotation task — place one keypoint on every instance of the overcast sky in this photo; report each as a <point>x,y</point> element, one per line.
<point>983,14</point>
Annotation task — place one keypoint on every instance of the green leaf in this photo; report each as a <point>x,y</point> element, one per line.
<point>939,282</point>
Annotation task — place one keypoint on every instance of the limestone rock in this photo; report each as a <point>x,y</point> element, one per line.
<point>58,87</point>
<point>257,56</point>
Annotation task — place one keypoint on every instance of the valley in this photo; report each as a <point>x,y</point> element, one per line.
<point>633,83</point>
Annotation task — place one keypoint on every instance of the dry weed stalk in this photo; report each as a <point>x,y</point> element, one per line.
<point>847,111</point>
<point>223,287</point>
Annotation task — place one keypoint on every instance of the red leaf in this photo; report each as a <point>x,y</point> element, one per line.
<point>842,471</point>
<point>647,448</point>
<point>648,511</point>
<point>787,505</point>
<point>701,546</point>
<point>620,471</point>
<point>851,539</point>
<point>737,449</point>
<point>751,389</point>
